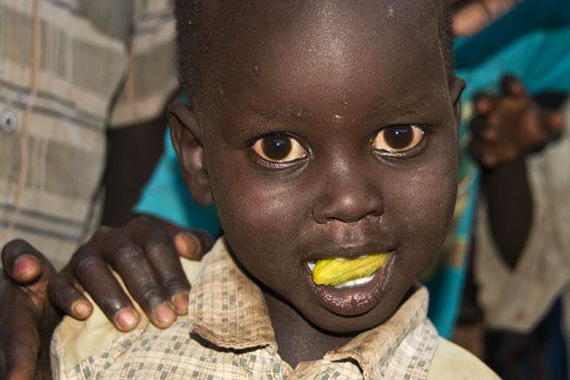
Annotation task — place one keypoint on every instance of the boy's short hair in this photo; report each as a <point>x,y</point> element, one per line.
<point>195,29</point>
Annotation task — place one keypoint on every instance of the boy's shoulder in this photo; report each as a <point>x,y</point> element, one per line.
<point>454,362</point>
<point>75,342</point>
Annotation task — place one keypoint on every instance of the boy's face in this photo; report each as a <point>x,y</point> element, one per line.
<point>329,131</point>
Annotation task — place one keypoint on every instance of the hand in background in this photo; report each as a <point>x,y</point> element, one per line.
<point>508,125</point>
<point>27,318</point>
<point>472,16</point>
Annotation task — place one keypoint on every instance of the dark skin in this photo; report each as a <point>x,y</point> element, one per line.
<point>162,290</point>
<point>29,286</point>
<point>347,108</point>
<point>29,273</point>
<point>506,128</point>
<point>132,152</point>
<point>335,82</point>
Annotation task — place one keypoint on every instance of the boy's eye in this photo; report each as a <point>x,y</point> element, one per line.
<point>398,139</point>
<point>279,148</point>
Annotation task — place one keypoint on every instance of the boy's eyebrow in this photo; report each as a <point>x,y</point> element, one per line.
<point>413,103</point>
<point>292,111</point>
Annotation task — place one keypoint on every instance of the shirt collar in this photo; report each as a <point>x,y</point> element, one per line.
<point>226,308</point>
<point>376,349</point>
<point>229,310</point>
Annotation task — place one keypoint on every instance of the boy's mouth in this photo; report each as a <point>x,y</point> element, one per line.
<point>350,285</point>
<point>341,272</point>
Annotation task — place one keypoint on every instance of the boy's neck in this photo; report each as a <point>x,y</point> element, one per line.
<point>297,339</point>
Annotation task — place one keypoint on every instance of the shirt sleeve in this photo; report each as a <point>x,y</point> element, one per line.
<point>166,196</point>
<point>151,76</point>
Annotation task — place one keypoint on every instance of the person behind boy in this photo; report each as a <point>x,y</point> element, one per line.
<point>325,133</point>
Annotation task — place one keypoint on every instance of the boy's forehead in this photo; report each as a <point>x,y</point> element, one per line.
<point>332,23</point>
<point>334,36</point>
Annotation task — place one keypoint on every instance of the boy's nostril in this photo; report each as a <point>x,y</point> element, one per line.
<point>347,208</point>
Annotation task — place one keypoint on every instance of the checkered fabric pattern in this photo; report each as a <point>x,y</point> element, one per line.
<point>70,69</point>
<point>228,335</point>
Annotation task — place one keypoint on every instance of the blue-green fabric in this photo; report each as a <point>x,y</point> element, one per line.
<point>166,196</point>
<point>532,42</point>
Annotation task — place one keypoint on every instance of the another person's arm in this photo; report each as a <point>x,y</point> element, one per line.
<point>506,128</point>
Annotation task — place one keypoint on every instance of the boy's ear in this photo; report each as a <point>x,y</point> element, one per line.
<point>457,87</point>
<point>188,142</point>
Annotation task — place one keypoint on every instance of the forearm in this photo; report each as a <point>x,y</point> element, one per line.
<point>133,152</point>
<point>510,208</point>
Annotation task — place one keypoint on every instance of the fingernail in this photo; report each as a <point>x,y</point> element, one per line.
<point>26,266</point>
<point>187,245</point>
<point>483,106</point>
<point>127,319</point>
<point>164,315</point>
<point>81,309</point>
<point>180,301</point>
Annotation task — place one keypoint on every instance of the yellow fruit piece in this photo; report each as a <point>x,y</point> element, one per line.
<point>336,271</point>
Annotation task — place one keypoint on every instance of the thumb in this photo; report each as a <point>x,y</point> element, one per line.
<point>25,265</point>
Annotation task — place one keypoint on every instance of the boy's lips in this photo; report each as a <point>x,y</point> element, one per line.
<point>355,297</point>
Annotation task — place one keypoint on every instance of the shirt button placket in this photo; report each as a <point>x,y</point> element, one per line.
<point>8,121</point>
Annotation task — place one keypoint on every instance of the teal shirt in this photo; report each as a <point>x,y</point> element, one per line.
<point>166,196</point>
<point>532,42</point>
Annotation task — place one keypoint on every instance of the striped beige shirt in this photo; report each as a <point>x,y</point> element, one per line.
<point>69,69</point>
<point>228,335</point>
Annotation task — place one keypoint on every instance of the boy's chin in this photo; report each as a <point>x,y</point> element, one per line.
<point>343,325</point>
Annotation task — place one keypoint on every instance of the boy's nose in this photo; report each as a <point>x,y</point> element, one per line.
<point>347,194</point>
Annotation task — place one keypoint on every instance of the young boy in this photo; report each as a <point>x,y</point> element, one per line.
<point>325,133</point>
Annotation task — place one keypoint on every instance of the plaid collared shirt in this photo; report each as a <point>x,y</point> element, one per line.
<point>228,335</point>
<point>69,69</point>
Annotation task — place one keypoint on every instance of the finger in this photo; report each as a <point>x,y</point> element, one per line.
<point>95,276</point>
<point>513,87</point>
<point>64,293</point>
<point>21,361</point>
<point>478,125</point>
<point>165,261</point>
<point>128,259</point>
<point>189,244</point>
<point>484,104</point>
<point>469,19</point>
<point>193,245</point>
<point>24,264</point>
<point>476,15</point>
<point>19,340</point>
<point>553,121</point>
<point>484,154</point>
